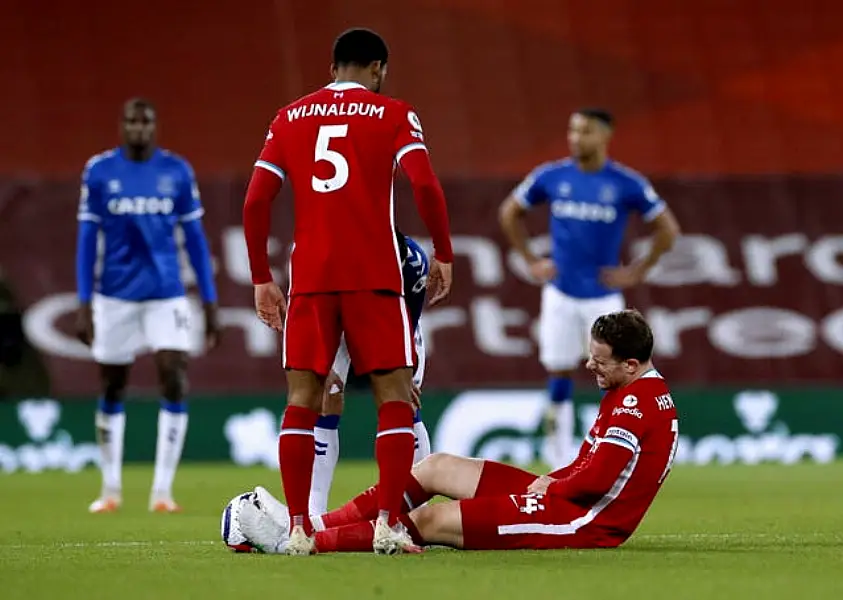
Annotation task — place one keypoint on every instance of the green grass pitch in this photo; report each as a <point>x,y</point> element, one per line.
<point>763,532</point>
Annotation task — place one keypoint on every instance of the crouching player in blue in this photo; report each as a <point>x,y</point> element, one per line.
<point>415,267</point>
<point>135,197</point>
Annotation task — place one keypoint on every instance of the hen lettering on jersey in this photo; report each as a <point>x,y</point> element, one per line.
<point>351,109</point>
<point>141,205</point>
<point>622,410</point>
<point>583,211</point>
<point>664,402</point>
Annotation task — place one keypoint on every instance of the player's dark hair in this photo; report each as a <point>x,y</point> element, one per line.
<point>139,102</point>
<point>598,114</point>
<point>626,333</point>
<point>360,47</point>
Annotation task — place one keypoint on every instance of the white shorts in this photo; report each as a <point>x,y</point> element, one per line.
<point>124,329</point>
<point>565,326</point>
<point>342,361</point>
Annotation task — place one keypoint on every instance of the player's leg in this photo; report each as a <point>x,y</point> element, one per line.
<point>560,351</point>
<point>419,429</point>
<point>310,342</point>
<point>326,432</point>
<point>117,335</point>
<point>380,343</point>
<point>167,329</point>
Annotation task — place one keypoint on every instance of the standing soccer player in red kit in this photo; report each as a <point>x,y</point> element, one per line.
<point>339,147</point>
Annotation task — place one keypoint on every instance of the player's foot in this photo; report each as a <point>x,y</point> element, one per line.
<point>274,507</point>
<point>300,544</point>
<point>109,502</point>
<point>261,529</point>
<point>163,503</point>
<point>393,540</point>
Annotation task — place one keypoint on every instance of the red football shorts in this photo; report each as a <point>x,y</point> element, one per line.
<point>376,324</point>
<point>503,516</point>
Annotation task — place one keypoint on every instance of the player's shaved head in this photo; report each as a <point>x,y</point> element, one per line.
<point>360,55</point>
<point>359,47</point>
<point>137,127</point>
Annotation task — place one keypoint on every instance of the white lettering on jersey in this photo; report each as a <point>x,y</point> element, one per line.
<point>621,437</point>
<point>583,211</point>
<point>140,205</point>
<point>627,411</point>
<point>665,402</point>
<point>342,109</point>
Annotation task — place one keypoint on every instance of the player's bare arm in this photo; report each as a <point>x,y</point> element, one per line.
<point>540,485</point>
<point>511,217</point>
<point>264,185</point>
<point>665,229</point>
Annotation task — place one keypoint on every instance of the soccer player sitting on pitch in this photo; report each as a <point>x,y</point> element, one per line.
<point>415,268</point>
<point>137,196</point>
<point>596,502</point>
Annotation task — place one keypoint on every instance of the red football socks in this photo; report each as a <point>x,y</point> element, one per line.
<point>394,448</point>
<point>295,455</point>
<point>357,537</point>
<point>365,506</point>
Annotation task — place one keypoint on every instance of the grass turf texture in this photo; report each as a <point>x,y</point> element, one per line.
<point>715,532</point>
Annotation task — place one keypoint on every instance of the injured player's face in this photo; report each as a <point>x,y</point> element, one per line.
<point>609,372</point>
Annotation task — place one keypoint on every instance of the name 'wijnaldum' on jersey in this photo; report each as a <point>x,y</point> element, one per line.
<point>363,109</point>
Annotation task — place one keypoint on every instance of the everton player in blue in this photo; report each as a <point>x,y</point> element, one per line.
<point>591,198</point>
<point>415,268</point>
<point>134,197</point>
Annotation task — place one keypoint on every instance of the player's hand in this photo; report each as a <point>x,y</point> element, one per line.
<point>415,396</point>
<point>540,485</point>
<point>213,332</point>
<point>270,305</point>
<point>333,384</point>
<point>623,277</point>
<point>85,324</point>
<point>439,281</point>
<point>542,269</point>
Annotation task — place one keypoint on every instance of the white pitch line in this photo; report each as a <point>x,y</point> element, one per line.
<point>650,536</point>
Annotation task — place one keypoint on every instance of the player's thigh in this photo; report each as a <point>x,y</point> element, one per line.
<point>560,331</point>
<point>118,330</point>
<point>592,309</point>
<point>498,478</point>
<point>378,331</point>
<point>167,324</point>
<point>312,331</point>
<point>525,521</point>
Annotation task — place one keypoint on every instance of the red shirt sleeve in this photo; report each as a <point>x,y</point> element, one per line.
<point>411,154</point>
<point>609,456</point>
<point>264,185</point>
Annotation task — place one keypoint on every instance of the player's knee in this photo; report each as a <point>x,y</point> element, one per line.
<point>431,467</point>
<point>114,381</point>
<point>173,383</point>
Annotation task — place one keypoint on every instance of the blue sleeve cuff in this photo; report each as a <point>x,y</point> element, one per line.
<point>200,258</point>
<point>86,258</point>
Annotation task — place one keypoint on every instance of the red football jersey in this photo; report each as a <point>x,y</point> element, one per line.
<point>339,147</point>
<point>641,418</point>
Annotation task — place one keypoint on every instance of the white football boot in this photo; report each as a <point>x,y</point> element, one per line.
<point>393,540</point>
<point>261,529</point>
<point>108,502</point>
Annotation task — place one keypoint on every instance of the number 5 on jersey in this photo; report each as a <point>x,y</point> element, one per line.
<point>337,160</point>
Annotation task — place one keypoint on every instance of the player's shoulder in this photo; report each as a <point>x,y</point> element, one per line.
<point>173,159</point>
<point>626,174</point>
<point>100,161</point>
<point>553,168</point>
<point>647,388</point>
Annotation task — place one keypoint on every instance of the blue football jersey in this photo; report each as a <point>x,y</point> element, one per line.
<point>415,269</point>
<point>588,216</point>
<point>137,206</point>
